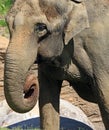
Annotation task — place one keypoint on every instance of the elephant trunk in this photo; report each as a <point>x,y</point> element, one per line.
<point>20,85</point>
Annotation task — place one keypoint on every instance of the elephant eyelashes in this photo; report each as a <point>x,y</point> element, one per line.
<point>41,30</point>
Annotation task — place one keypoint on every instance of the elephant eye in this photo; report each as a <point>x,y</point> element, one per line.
<point>40,29</point>
<point>40,26</point>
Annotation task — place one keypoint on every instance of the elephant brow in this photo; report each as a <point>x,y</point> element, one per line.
<point>49,11</point>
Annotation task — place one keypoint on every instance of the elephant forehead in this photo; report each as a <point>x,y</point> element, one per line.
<point>49,11</point>
<point>31,8</point>
<point>27,7</point>
<point>53,8</point>
<point>22,12</point>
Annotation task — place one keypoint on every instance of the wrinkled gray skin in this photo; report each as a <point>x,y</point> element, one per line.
<point>42,31</point>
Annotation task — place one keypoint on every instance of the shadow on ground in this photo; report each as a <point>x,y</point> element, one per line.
<point>65,124</point>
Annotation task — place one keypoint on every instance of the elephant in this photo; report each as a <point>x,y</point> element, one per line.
<point>68,40</point>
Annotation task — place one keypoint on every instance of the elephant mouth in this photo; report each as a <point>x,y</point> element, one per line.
<point>28,93</point>
<point>31,87</point>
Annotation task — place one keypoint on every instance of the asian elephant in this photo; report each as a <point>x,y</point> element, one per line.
<point>69,40</point>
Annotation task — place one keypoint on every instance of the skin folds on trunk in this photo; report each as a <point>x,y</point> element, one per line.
<point>20,84</point>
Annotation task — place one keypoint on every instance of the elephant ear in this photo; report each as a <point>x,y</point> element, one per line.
<point>77,19</point>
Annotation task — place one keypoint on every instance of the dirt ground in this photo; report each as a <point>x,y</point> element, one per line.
<point>67,93</point>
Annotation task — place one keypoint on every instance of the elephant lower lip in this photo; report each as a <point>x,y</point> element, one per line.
<point>47,60</point>
<point>41,59</point>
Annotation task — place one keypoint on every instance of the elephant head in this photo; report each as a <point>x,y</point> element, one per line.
<point>37,27</point>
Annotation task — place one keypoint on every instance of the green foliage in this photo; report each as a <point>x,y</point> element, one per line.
<point>2,23</point>
<point>4,6</point>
